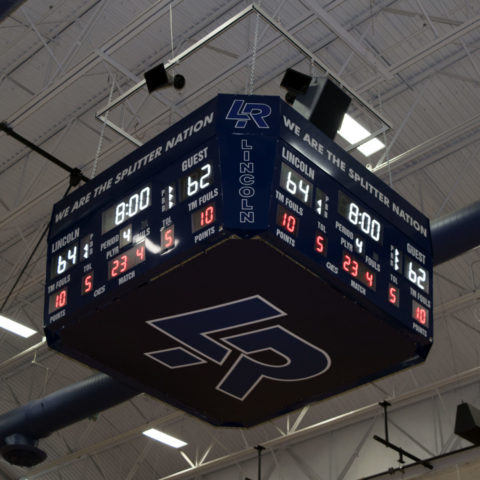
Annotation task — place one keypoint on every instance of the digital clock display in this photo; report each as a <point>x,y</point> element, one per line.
<point>127,208</point>
<point>360,217</point>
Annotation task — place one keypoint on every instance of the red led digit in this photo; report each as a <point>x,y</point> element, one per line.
<point>289,222</point>
<point>354,271</point>
<point>61,299</point>
<point>114,270</point>
<point>209,215</point>
<point>421,315</point>
<point>320,243</point>
<point>168,238</point>
<point>88,283</point>
<point>393,296</point>
<point>140,253</point>
<point>123,263</point>
<point>358,270</point>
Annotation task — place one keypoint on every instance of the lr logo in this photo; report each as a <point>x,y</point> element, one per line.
<point>192,331</point>
<point>242,112</point>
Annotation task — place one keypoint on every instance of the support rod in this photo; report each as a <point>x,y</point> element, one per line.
<point>75,174</point>
<point>385,406</point>
<point>259,449</point>
<point>402,452</point>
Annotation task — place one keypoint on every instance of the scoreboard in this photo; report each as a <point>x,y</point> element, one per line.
<point>236,253</point>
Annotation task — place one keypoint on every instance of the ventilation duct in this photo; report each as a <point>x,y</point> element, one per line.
<point>455,233</point>
<point>20,429</point>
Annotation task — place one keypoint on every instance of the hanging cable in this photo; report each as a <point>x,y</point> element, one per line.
<point>102,132</point>
<point>254,56</point>
<point>171,31</point>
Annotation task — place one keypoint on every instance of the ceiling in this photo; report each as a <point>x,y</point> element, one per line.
<point>412,65</point>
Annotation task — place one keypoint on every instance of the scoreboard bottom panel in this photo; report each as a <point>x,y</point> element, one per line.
<point>237,336</point>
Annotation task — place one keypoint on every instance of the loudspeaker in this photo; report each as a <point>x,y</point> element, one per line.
<point>158,77</point>
<point>321,101</point>
<point>467,423</point>
<point>296,83</point>
<point>324,105</point>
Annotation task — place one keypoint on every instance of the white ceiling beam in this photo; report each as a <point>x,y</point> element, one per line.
<point>366,436</point>
<point>40,37</point>
<point>432,47</point>
<point>59,462</point>
<point>356,416</point>
<point>178,58</point>
<point>437,143</point>
<point>225,26</point>
<point>365,55</point>
<point>94,19</point>
<point>408,13</point>
<point>427,18</point>
<point>129,32</point>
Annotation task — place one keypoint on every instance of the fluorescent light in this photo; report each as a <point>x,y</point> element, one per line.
<point>164,438</point>
<point>16,327</point>
<point>353,133</point>
<point>371,147</point>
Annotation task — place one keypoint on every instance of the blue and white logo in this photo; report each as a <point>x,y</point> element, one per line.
<point>193,331</point>
<point>242,112</point>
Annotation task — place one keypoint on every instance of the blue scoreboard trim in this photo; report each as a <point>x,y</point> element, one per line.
<point>243,250</point>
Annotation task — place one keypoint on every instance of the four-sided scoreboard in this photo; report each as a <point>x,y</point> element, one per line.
<point>238,266</point>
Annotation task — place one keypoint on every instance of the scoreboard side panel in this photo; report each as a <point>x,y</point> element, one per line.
<point>339,237</point>
<point>154,223</point>
<point>145,161</point>
<point>338,164</point>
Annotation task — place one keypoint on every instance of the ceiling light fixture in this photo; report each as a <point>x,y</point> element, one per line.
<point>164,438</point>
<point>353,133</point>
<point>16,327</point>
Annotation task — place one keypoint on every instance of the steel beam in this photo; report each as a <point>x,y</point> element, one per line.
<point>225,26</point>
<point>428,49</point>
<point>365,55</point>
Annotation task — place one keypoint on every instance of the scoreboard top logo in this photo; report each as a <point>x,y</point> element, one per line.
<point>242,112</point>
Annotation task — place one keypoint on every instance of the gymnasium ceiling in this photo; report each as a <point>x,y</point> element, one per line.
<point>416,63</point>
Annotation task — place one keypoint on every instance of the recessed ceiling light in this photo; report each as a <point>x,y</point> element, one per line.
<point>164,438</point>
<point>371,147</point>
<point>16,327</point>
<point>353,133</point>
